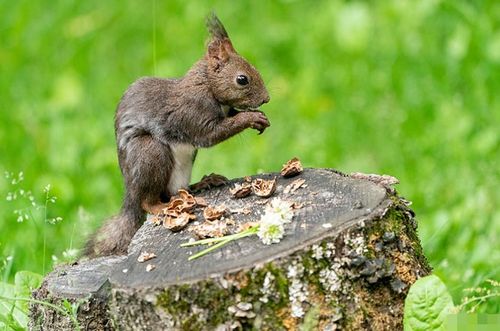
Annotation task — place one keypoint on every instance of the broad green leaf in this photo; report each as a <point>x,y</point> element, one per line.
<point>26,282</point>
<point>427,305</point>
<point>12,317</point>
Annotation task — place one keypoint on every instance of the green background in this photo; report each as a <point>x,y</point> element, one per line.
<point>406,88</point>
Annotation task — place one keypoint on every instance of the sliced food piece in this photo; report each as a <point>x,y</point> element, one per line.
<point>294,186</point>
<point>263,188</point>
<point>178,223</point>
<point>213,213</point>
<point>241,190</point>
<point>146,256</point>
<point>292,168</point>
<point>210,229</point>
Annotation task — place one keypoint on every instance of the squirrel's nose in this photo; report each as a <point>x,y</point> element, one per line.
<point>266,99</point>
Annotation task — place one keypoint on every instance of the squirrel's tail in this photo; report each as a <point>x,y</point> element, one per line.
<point>114,236</point>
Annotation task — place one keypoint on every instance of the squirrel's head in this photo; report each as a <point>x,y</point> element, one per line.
<point>233,81</point>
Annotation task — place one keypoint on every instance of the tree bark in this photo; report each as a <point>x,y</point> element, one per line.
<point>346,262</point>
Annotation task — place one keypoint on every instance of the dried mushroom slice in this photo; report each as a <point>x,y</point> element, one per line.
<point>201,202</point>
<point>145,256</point>
<point>241,190</point>
<point>292,168</point>
<point>208,229</point>
<point>178,223</point>
<point>176,214</point>
<point>175,204</point>
<point>294,186</point>
<point>189,200</point>
<point>183,202</point>
<point>213,213</point>
<point>263,188</point>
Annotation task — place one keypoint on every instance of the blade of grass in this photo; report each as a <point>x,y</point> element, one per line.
<point>215,240</point>
<point>243,234</point>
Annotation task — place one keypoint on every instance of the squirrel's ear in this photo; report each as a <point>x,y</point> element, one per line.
<point>218,52</point>
<point>220,47</point>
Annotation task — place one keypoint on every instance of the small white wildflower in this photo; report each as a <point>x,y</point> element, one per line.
<point>271,229</point>
<point>282,208</point>
<point>70,253</point>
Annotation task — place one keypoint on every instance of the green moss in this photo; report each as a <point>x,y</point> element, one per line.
<point>178,301</point>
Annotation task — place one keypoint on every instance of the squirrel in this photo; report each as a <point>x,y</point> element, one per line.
<point>160,123</point>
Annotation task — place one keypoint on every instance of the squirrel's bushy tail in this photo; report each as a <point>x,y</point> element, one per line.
<point>114,236</point>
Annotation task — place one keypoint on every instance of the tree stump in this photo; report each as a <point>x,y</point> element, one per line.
<point>346,262</point>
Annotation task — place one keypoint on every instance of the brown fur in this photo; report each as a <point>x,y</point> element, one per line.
<point>155,115</point>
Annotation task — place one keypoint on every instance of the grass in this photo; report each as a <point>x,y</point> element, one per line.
<point>407,88</point>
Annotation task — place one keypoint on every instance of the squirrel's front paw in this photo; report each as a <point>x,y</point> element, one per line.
<point>257,120</point>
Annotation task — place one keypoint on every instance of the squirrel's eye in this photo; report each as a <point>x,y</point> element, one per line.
<point>242,80</point>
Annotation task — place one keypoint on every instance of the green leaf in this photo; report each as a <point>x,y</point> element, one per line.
<point>12,317</point>
<point>427,305</point>
<point>26,282</point>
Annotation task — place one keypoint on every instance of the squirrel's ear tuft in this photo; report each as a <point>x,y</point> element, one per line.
<point>215,27</point>
<point>218,33</point>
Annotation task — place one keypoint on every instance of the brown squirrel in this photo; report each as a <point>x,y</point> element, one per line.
<point>160,123</point>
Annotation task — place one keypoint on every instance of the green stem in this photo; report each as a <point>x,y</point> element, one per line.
<point>44,229</point>
<point>208,250</point>
<point>50,305</point>
<point>481,298</point>
<point>249,232</point>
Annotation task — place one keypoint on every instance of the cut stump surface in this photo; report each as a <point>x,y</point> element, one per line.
<point>347,260</point>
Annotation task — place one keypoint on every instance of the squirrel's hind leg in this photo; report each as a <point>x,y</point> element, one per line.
<point>147,167</point>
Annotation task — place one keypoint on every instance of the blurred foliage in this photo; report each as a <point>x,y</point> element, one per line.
<point>404,87</point>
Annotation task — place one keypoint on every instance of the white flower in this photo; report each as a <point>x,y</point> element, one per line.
<point>271,229</point>
<point>282,208</point>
